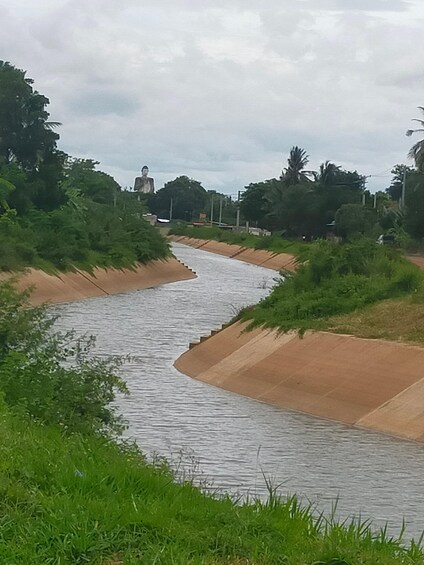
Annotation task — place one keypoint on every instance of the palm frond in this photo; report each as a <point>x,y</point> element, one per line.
<point>52,125</point>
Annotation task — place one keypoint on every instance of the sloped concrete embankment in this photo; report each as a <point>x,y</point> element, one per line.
<point>65,287</point>
<point>259,257</point>
<point>372,384</point>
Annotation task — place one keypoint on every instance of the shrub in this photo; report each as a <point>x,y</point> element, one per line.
<point>50,376</point>
<point>336,279</point>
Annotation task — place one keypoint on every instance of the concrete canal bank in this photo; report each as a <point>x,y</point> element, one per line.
<point>259,257</point>
<point>77,285</point>
<point>372,384</point>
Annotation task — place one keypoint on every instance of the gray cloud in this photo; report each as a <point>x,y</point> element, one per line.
<point>101,101</point>
<point>222,91</point>
<point>363,5</point>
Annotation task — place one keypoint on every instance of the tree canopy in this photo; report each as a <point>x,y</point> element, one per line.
<point>56,211</point>
<point>302,203</point>
<point>417,150</point>
<point>27,136</point>
<point>186,196</point>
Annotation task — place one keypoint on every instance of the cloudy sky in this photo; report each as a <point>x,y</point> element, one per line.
<point>220,90</point>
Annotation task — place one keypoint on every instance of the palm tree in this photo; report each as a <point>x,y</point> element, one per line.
<point>417,151</point>
<point>327,174</point>
<point>297,161</point>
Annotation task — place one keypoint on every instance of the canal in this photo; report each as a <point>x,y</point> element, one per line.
<point>228,440</point>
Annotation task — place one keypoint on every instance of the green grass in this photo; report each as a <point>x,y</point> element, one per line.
<point>394,319</point>
<point>274,243</point>
<point>77,500</point>
<point>337,280</point>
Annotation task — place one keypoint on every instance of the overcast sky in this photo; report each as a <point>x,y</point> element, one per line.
<point>221,90</point>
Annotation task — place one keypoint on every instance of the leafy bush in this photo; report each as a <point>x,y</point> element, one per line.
<point>50,376</point>
<point>336,279</point>
<point>65,238</point>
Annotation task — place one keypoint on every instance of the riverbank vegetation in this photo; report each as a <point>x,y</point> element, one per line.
<point>274,243</point>
<point>72,493</point>
<point>56,212</point>
<point>338,280</point>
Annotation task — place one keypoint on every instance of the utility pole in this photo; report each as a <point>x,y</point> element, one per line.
<point>220,211</point>
<point>211,209</point>
<point>375,200</point>
<point>402,198</point>
<point>170,211</point>
<point>238,210</point>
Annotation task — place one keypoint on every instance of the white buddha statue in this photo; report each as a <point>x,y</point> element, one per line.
<point>144,184</point>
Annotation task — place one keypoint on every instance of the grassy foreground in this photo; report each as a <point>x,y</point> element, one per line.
<point>81,499</point>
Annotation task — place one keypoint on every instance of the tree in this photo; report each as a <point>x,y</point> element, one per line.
<point>188,197</point>
<point>297,161</point>
<point>82,178</point>
<point>395,188</point>
<point>417,150</point>
<point>414,210</point>
<point>28,143</point>
<point>353,220</point>
<point>254,204</point>
<point>6,189</point>
<point>328,174</point>
<point>26,136</point>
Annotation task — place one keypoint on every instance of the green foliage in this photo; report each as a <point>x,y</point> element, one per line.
<point>189,198</point>
<point>52,377</point>
<point>354,220</point>
<point>395,188</point>
<point>417,150</point>
<point>26,135</point>
<point>299,203</point>
<point>336,279</point>
<point>253,202</point>
<point>6,189</point>
<point>82,178</point>
<point>414,200</point>
<point>57,212</point>
<point>294,173</point>
<point>80,234</point>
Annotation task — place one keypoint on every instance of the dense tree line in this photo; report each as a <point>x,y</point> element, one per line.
<point>55,210</point>
<point>186,199</point>
<point>306,204</point>
<point>312,204</point>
